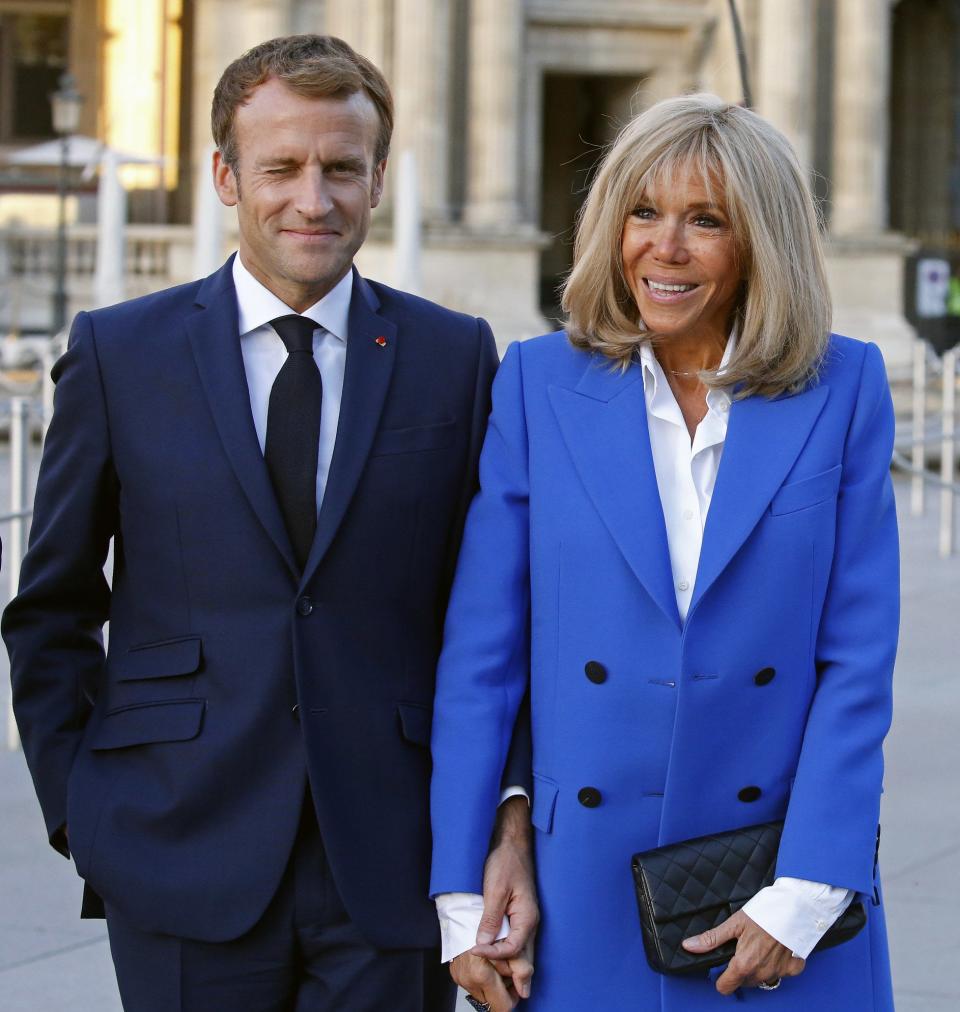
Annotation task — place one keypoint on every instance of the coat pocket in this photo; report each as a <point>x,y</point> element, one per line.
<point>149,723</point>
<point>812,491</point>
<point>161,660</point>
<point>545,793</point>
<point>414,439</point>
<point>416,721</point>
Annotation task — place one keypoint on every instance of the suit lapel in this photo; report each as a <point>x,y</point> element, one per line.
<point>764,438</point>
<point>213,330</point>
<point>604,425</point>
<point>369,369</point>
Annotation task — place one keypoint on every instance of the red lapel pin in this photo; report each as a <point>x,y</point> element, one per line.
<point>382,341</point>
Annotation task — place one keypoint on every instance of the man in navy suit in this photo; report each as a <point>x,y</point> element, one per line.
<point>283,455</point>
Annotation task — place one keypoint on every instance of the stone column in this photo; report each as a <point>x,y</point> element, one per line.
<point>786,70</point>
<point>860,130</point>
<point>223,30</point>
<point>494,114</point>
<point>421,90</point>
<point>366,26</point>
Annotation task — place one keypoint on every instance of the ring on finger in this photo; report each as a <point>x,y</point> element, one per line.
<point>770,986</point>
<point>475,1003</point>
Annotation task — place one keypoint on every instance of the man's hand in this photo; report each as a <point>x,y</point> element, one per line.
<point>509,888</point>
<point>759,959</point>
<point>478,977</point>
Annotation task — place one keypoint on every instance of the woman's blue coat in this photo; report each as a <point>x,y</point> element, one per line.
<point>565,562</point>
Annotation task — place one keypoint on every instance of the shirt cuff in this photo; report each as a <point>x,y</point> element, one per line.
<point>798,913</point>
<point>460,915</point>
<point>513,792</point>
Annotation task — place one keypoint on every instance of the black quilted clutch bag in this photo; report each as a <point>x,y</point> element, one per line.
<point>686,888</point>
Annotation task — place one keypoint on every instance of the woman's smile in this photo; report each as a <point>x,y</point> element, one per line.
<point>680,259</point>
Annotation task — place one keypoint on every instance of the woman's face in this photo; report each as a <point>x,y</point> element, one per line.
<point>680,259</point>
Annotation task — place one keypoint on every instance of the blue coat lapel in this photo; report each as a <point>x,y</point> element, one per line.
<point>604,425</point>
<point>366,381</point>
<point>213,331</point>
<point>764,439</point>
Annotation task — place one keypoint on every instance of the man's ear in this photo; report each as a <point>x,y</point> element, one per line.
<point>376,190</point>
<point>225,181</point>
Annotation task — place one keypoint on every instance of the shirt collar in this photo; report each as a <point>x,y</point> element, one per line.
<point>657,389</point>
<point>257,305</point>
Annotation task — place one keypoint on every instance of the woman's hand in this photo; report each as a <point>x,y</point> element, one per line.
<point>759,959</point>
<point>478,977</point>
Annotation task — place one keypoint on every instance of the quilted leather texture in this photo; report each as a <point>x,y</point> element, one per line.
<point>686,888</point>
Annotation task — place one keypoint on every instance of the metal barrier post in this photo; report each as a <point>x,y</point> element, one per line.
<point>919,454</point>
<point>19,442</point>
<point>948,453</point>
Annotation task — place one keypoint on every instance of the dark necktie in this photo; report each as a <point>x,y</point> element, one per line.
<point>293,432</point>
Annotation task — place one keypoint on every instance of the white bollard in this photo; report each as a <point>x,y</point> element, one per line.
<point>919,450</point>
<point>948,451</point>
<point>19,442</point>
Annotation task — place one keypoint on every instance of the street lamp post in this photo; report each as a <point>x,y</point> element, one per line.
<point>65,102</point>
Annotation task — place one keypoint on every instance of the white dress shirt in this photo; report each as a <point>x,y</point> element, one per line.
<point>795,912</point>
<point>264,354</point>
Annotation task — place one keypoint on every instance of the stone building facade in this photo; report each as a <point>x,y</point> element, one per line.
<point>506,105</point>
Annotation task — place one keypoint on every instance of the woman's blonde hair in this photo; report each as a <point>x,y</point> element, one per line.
<point>785,311</point>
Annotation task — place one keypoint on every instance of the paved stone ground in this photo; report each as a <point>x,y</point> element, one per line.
<point>50,960</point>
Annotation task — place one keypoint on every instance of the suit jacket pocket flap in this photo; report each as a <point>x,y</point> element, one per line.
<point>415,722</point>
<point>410,440</point>
<point>544,802</point>
<point>161,660</point>
<point>148,723</point>
<point>799,495</point>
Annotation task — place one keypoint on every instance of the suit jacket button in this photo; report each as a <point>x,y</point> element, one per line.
<point>596,672</point>
<point>749,794</point>
<point>295,710</point>
<point>304,606</point>
<point>589,797</point>
<point>765,676</point>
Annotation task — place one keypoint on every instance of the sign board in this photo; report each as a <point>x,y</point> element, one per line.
<point>932,296</point>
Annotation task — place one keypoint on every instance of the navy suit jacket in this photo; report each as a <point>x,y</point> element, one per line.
<point>179,757</point>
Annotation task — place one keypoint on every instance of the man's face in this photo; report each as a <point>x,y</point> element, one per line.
<point>305,184</point>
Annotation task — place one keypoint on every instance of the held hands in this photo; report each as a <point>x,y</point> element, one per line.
<point>759,959</point>
<point>482,979</point>
<point>499,972</point>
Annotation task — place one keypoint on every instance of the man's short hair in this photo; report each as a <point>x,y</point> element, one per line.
<point>315,66</point>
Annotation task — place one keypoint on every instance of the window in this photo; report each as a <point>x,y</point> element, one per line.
<point>33,55</point>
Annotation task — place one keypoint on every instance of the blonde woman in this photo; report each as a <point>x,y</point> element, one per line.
<point>685,545</point>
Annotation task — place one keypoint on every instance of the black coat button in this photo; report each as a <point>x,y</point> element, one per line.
<point>304,606</point>
<point>750,794</point>
<point>295,710</point>
<point>589,797</point>
<point>765,676</point>
<point>596,672</point>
